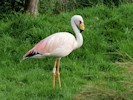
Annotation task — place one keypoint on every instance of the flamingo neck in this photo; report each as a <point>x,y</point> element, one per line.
<point>79,38</point>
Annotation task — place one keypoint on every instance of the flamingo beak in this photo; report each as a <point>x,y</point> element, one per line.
<point>82,27</point>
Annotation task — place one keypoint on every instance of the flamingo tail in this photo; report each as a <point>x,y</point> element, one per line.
<point>30,53</point>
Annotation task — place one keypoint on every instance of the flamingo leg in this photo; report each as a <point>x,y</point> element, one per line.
<point>54,73</point>
<point>58,73</point>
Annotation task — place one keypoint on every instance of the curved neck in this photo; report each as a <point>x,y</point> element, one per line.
<point>79,37</point>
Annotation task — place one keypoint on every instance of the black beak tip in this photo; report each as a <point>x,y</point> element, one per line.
<point>81,31</point>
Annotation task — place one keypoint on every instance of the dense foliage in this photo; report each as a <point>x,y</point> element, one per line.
<point>56,6</point>
<point>11,6</point>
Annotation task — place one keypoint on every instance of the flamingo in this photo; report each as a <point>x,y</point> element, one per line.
<point>59,45</point>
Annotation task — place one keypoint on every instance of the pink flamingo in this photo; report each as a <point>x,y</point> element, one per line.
<point>59,45</point>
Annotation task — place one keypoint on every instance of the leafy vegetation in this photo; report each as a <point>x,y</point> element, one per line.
<point>101,69</point>
<point>56,6</point>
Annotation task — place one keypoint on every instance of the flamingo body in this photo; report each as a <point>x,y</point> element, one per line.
<point>59,45</point>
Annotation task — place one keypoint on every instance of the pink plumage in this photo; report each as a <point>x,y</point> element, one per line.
<point>57,45</point>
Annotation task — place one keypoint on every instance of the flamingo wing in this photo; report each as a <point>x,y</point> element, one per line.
<point>56,45</point>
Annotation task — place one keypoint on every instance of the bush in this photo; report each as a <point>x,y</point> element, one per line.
<point>57,6</point>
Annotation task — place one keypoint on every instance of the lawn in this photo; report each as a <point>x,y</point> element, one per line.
<point>102,69</point>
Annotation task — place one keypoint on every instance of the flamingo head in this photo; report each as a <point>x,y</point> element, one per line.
<point>78,20</point>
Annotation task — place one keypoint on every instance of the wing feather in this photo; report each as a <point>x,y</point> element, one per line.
<point>58,44</point>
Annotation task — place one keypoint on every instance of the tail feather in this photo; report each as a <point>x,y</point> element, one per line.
<point>30,54</point>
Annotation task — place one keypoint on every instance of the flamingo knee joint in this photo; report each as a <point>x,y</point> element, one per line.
<point>54,71</point>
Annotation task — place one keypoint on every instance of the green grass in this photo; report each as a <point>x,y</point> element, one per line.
<point>101,69</point>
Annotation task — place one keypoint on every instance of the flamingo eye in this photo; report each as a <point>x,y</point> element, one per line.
<point>80,22</point>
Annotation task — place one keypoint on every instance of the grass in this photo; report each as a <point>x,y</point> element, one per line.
<point>101,70</point>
